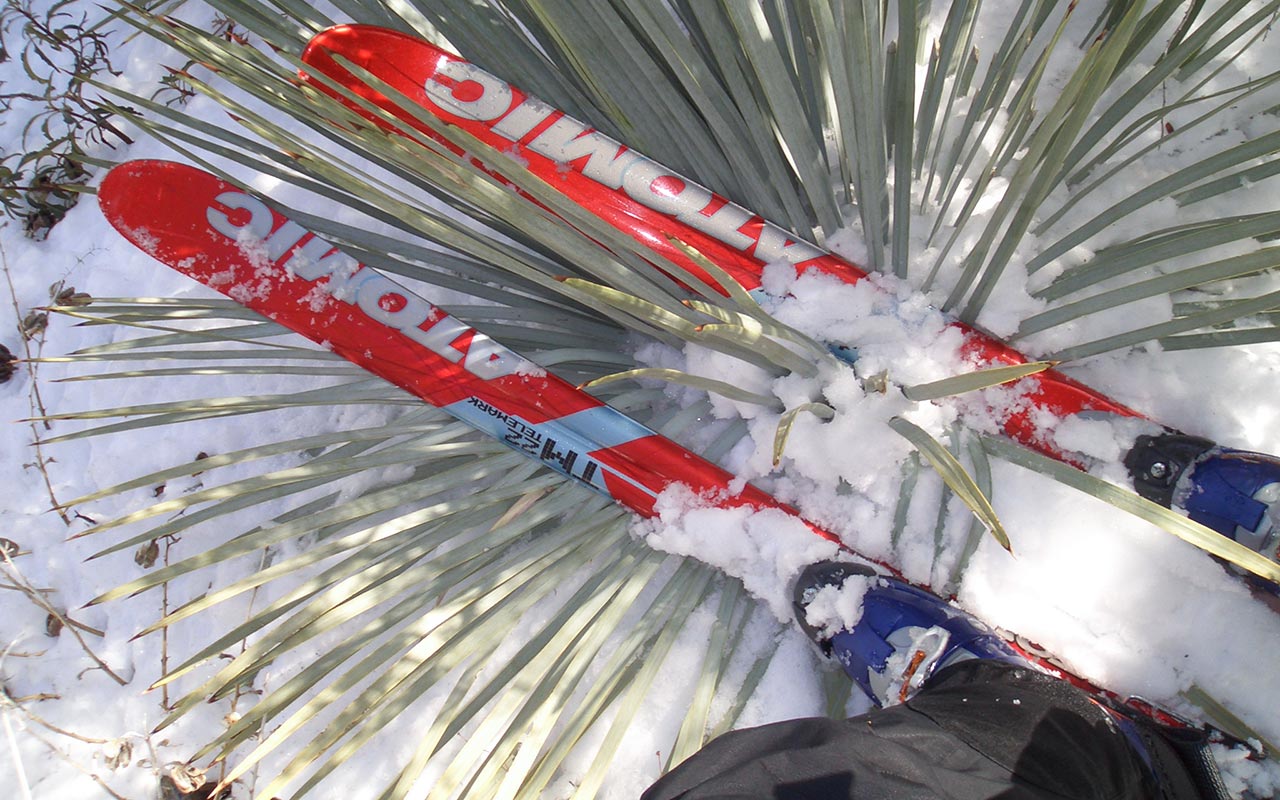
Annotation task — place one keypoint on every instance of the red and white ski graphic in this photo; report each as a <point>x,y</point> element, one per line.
<point>233,242</point>
<point>635,194</point>
<point>1231,491</point>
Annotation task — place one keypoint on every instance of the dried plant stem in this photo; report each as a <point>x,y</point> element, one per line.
<point>36,718</point>
<point>164,632</point>
<point>27,698</point>
<point>8,703</point>
<point>20,654</point>
<point>28,589</point>
<point>37,402</point>
<point>61,754</point>
<point>13,588</point>
<point>68,624</point>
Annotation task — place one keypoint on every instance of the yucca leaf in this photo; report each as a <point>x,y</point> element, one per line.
<point>420,532</point>
<point>323,440</point>
<point>1135,129</point>
<point>973,381</point>
<point>1264,145</point>
<point>509,764</point>
<point>556,641</point>
<point>982,477</point>
<point>635,306</point>
<point>1205,54</point>
<point>1122,106</point>
<point>517,776</point>
<point>1171,521</point>
<point>1158,247</point>
<point>747,611</point>
<point>1224,719</point>
<point>1039,171</point>
<point>1225,269</point>
<point>858,56</point>
<point>336,371</point>
<point>248,353</point>
<point>910,474</point>
<point>694,728</point>
<point>1021,112</point>
<point>1231,338</point>
<point>788,419</point>
<point>446,726</point>
<point>244,334</point>
<point>437,642</point>
<point>363,390</point>
<point>409,583</point>
<point>723,281</point>
<point>685,379</point>
<point>901,134</point>
<point>370,542</point>
<point>759,44</point>
<point>1228,312</point>
<point>710,25</point>
<point>684,593</point>
<point>381,500</point>
<point>427,656</point>
<point>954,475</point>
<point>949,52</point>
<point>777,356</point>
<point>723,121</point>
<point>999,77</point>
<point>1241,178</point>
<point>762,327</point>
<point>943,514</point>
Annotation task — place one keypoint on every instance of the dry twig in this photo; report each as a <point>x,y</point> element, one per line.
<point>68,624</point>
<point>37,403</point>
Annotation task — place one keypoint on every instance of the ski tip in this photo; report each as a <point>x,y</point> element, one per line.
<point>350,40</point>
<point>136,188</point>
<point>325,40</point>
<point>120,183</point>
<point>117,175</point>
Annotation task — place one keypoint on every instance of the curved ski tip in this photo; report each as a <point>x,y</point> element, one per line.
<point>349,38</point>
<point>120,188</point>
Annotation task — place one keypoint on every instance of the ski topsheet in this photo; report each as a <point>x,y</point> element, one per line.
<point>231,241</point>
<point>1232,492</point>
<point>631,192</point>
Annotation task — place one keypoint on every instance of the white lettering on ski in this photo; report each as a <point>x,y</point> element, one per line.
<point>568,140</point>
<point>380,298</point>
<point>465,90</point>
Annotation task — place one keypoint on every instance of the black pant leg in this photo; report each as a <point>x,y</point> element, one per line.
<point>978,729</point>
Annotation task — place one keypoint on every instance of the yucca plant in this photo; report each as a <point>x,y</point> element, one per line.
<point>514,619</point>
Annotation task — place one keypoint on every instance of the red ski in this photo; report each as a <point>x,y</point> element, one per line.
<point>635,194</point>
<point>233,242</point>
<point>1234,492</point>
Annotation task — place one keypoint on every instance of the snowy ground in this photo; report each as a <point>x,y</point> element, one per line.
<point>1073,585</point>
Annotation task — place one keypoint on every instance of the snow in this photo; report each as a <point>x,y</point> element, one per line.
<point>832,609</point>
<point>764,549</point>
<point>1118,601</point>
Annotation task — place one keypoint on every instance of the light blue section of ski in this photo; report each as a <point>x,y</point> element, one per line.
<point>562,444</point>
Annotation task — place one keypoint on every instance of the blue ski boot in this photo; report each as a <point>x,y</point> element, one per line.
<point>905,634</point>
<point>1234,492</point>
